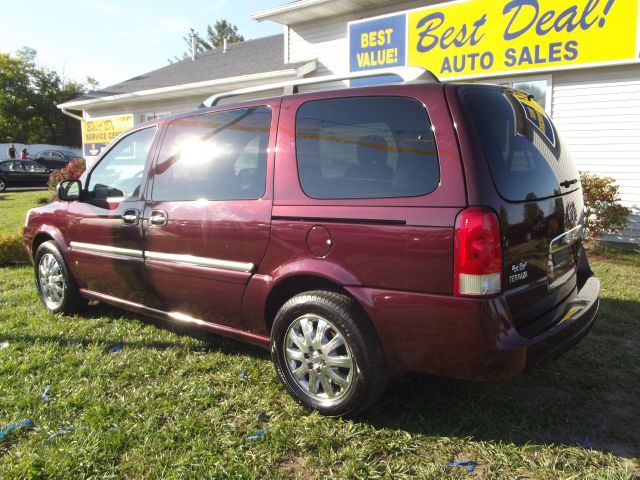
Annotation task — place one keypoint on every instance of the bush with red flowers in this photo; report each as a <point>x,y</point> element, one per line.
<point>603,211</point>
<point>72,171</point>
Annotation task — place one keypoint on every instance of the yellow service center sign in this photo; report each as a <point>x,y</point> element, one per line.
<point>486,37</point>
<point>98,132</point>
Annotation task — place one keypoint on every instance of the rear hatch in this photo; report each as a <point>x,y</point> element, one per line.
<point>539,202</point>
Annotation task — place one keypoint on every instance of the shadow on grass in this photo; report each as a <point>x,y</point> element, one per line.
<point>24,189</point>
<point>210,341</point>
<point>586,398</point>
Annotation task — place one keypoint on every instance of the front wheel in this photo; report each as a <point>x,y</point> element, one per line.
<point>3,185</point>
<point>327,354</point>
<point>57,288</point>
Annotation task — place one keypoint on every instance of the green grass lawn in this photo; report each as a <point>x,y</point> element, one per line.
<point>171,405</point>
<point>14,206</point>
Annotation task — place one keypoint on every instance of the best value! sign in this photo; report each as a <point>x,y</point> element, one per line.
<point>98,132</point>
<point>487,38</point>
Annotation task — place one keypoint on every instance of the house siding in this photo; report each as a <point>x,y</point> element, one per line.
<point>598,113</point>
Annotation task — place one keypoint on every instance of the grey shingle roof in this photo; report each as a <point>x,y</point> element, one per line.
<point>243,58</point>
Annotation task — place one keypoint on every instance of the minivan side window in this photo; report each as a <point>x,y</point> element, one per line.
<point>214,156</point>
<point>119,173</point>
<point>366,147</point>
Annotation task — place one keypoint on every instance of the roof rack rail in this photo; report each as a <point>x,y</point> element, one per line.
<point>408,75</point>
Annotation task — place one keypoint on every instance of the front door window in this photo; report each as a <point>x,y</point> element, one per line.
<point>118,176</point>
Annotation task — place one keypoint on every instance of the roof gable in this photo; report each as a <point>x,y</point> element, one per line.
<point>242,58</point>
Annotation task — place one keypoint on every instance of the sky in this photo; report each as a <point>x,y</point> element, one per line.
<point>113,40</point>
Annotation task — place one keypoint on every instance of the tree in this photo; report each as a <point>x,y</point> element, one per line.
<point>221,30</point>
<point>93,83</point>
<point>28,98</point>
<point>215,38</point>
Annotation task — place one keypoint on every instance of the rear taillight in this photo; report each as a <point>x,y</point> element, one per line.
<point>477,254</point>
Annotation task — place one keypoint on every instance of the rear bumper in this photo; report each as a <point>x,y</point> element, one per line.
<point>471,339</point>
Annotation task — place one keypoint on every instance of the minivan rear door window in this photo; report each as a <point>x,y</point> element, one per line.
<point>366,147</point>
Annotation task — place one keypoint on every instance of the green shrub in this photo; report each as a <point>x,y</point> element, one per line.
<point>72,171</point>
<point>603,211</point>
<point>12,249</point>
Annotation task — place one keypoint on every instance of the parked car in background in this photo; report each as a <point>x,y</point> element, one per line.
<point>55,159</point>
<point>357,233</point>
<point>22,173</point>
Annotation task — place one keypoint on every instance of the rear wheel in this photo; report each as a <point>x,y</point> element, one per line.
<point>327,354</point>
<point>3,184</point>
<point>57,288</point>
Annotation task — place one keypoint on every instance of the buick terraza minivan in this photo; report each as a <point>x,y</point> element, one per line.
<point>357,233</point>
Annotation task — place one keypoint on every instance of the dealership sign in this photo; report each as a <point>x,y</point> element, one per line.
<point>477,38</point>
<point>98,132</point>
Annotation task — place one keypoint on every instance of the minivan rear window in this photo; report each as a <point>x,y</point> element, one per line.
<point>527,158</point>
<point>366,147</point>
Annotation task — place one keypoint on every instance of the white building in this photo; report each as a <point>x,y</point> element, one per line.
<point>580,58</point>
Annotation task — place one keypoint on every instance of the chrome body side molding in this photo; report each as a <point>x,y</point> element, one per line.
<point>95,248</point>
<point>243,267</point>
<point>201,261</point>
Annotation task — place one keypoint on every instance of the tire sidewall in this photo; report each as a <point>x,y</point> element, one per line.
<point>313,304</point>
<point>3,184</point>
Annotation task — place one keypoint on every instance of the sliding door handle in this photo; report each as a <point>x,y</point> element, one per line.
<point>158,218</point>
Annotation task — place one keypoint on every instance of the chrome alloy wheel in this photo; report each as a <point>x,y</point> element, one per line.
<point>318,358</point>
<point>51,281</point>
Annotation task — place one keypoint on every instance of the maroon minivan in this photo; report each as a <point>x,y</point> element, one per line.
<point>358,233</point>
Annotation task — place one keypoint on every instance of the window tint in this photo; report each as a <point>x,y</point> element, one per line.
<point>34,167</point>
<point>119,173</point>
<point>526,157</point>
<point>13,167</point>
<point>215,156</point>
<point>366,147</point>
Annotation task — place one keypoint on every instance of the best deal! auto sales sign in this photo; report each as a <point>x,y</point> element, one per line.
<point>486,38</point>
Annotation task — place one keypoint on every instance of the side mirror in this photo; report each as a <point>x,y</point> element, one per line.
<point>69,190</point>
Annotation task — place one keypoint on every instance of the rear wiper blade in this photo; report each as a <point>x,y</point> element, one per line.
<point>568,183</point>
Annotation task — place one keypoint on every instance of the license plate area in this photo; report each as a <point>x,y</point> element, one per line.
<point>563,256</point>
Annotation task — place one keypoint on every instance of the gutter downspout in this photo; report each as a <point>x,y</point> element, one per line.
<point>72,115</point>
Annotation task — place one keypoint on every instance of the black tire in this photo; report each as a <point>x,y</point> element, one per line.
<point>3,184</point>
<point>57,288</point>
<point>347,327</point>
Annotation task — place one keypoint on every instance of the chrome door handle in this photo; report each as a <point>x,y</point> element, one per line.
<point>130,217</point>
<point>158,218</point>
